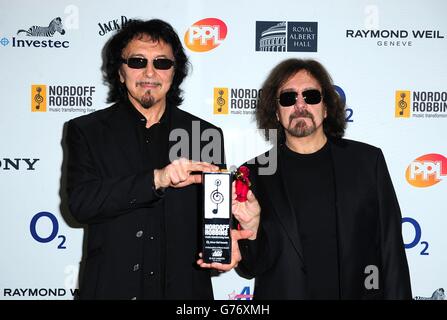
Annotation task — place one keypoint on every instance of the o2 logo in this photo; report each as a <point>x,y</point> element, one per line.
<point>349,111</point>
<point>417,236</point>
<point>39,237</point>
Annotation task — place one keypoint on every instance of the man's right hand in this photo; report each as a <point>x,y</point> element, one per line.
<point>248,213</point>
<point>179,173</point>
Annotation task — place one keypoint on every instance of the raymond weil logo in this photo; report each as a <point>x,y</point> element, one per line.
<point>426,170</point>
<point>420,104</point>
<point>205,35</point>
<point>57,98</point>
<point>240,101</point>
<point>286,36</point>
<point>393,38</point>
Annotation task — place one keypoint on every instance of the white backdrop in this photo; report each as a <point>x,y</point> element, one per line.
<point>375,50</point>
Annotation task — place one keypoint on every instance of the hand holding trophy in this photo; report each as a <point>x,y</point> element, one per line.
<point>220,244</point>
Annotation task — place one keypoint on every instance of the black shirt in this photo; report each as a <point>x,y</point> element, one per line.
<point>310,183</point>
<point>153,142</point>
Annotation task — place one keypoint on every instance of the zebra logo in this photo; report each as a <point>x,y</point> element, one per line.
<point>437,295</point>
<point>36,31</point>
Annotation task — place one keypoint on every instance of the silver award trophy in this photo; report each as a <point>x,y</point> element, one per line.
<point>217,217</point>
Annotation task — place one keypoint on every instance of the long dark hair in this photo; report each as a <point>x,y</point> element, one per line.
<point>136,29</point>
<point>334,125</point>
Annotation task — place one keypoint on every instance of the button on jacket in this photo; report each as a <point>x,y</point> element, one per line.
<point>141,243</point>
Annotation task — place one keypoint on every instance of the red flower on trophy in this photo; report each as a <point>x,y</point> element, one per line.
<point>242,183</point>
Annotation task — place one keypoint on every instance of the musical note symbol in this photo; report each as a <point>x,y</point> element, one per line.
<point>38,98</point>
<point>402,104</point>
<point>217,197</point>
<point>220,101</point>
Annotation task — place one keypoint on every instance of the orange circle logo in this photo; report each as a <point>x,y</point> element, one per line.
<point>205,34</point>
<point>427,170</point>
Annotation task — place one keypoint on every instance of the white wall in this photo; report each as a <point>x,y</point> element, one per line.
<point>368,70</point>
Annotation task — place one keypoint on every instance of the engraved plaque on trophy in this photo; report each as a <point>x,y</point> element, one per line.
<point>217,217</point>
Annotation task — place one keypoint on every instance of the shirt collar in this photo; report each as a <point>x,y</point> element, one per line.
<point>139,117</point>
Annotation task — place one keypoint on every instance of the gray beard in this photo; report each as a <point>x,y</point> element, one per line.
<point>147,100</point>
<point>300,129</point>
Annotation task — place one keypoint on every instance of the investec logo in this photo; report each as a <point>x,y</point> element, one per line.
<point>55,26</point>
<point>420,104</point>
<point>57,98</point>
<point>426,170</point>
<point>286,36</point>
<point>205,35</point>
<point>235,100</point>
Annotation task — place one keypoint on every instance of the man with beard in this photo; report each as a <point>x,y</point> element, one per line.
<point>131,173</point>
<point>326,224</point>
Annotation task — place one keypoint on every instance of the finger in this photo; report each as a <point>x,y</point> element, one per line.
<point>196,178</point>
<point>233,191</point>
<point>204,265</point>
<point>201,166</point>
<point>212,166</point>
<point>174,177</point>
<point>222,267</point>
<point>241,234</point>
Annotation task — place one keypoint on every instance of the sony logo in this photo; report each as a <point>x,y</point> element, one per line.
<point>17,163</point>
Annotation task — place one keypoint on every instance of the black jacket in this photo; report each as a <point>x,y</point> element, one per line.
<point>111,190</point>
<point>368,223</point>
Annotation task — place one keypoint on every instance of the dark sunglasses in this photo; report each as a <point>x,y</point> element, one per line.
<point>289,98</point>
<point>139,63</point>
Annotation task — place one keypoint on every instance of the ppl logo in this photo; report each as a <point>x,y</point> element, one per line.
<point>426,170</point>
<point>205,34</point>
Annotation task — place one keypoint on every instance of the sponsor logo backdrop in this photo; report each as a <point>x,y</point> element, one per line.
<point>387,59</point>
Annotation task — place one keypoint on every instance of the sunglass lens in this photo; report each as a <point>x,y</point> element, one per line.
<point>137,63</point>
<point>163,64</point>
<point>312,96</point>
<point>287,99</point>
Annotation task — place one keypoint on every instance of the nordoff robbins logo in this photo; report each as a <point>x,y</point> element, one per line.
<point>420,104</point>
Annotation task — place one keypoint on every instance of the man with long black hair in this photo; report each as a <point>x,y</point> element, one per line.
<point>326,223</point>
<point>131,173</point>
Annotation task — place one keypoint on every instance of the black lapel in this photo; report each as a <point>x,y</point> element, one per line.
<point>341,171</point>
<point>282,205</point>
<point>125,134</point>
